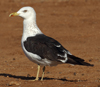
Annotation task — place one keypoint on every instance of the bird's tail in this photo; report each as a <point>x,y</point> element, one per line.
<point>77,61</point>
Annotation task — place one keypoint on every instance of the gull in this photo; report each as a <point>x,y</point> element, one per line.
<point>41,49</point>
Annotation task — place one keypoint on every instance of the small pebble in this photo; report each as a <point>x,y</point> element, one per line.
<point>4,69</point>
<point>78,80</point>
<point>47,72</point>
<point>14,83</point>
<point>17,79</point>
<point>5,61</point>
<point>74,73</point>
<point>28,75</point>
<point>7,76</point>
<point>13,58</point>
<point>82,74</point>
<point>60,72</point>
<point>90,60</point>
<point>68,77</point>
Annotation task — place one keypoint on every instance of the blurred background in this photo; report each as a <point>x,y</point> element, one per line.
<point>74,23</point>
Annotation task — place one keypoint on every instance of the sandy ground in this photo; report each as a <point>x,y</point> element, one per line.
<point>74,23</point>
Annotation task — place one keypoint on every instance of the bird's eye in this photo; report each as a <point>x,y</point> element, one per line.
<point>25,11</point>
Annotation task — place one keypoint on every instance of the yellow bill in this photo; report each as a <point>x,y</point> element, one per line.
<point>13,14</point>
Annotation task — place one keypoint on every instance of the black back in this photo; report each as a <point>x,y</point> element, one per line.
<point>45,47</point>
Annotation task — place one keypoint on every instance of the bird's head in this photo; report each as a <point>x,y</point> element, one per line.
<point>25,13</point>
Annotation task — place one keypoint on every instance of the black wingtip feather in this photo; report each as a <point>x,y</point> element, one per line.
<point>77,61</point>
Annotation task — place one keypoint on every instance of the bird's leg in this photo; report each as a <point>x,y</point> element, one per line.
<point>43,73</point>
<point>37,73</point>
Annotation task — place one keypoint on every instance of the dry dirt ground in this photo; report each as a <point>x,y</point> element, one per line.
<point>74,23</point>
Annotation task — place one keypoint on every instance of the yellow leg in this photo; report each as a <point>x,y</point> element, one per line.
<point>43,73</point>
<point>38,73</point>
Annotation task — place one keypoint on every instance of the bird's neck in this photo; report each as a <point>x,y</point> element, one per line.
<point>30,28</point>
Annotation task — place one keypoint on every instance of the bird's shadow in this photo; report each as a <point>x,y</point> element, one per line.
<point>32,78</point>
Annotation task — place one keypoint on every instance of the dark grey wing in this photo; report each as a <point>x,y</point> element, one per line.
<point>45,47</point>
<point>48,48</point>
